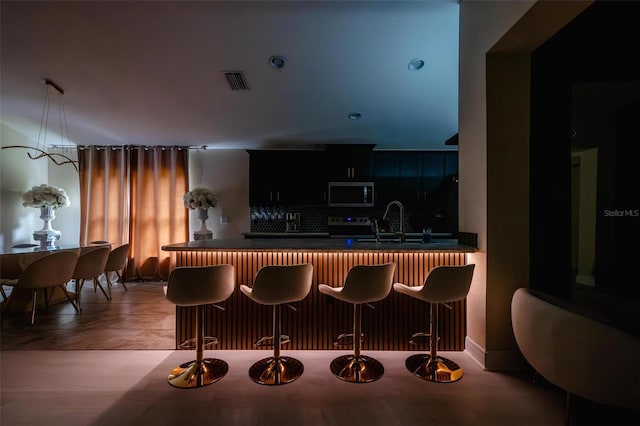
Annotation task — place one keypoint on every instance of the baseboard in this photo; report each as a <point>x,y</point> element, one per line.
<point>475,351</point>
<point>495,360</point>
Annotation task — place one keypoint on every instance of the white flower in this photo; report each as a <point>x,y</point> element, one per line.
<point>200,198</point>
<point>45,195</point>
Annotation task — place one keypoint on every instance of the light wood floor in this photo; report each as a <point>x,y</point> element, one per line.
<point>108,366</point>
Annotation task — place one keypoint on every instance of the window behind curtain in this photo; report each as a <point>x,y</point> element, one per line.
<point>134,194</point>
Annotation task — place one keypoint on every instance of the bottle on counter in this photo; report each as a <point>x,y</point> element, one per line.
<point>426,234</point>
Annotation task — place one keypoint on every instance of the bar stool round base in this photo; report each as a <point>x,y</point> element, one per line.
<point>362,369</point>
<point>272,371</point>
<point>442,371</point>
<point>192,375</point>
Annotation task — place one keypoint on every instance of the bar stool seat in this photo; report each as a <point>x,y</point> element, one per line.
<point>442,285</point>
<point>363,284</point>
<point>277,285</point>
<point>199,286</point>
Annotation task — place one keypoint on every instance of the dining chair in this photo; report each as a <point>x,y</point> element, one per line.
<point>116,262</point>
<point>90,266</point>
<point>12,265</point>
<point>47,272</point>
<point>9,271</point>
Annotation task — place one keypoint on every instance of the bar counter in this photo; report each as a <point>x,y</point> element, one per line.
<point>320,244</point>
<point>319,319</point>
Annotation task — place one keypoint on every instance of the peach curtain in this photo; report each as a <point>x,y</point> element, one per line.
<point>134,194</point>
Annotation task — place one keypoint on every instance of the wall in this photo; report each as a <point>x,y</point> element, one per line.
<point>482,23</point>
<point>65,176</point>
<point>18,173</point>
<point>494,159</point>
<point>226,173</point>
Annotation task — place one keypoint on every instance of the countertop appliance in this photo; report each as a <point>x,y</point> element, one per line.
<point>351,194</point>
<point>349,226</point>
<point>293,222</point>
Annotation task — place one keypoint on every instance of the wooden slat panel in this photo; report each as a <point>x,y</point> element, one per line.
<point>319,318</point>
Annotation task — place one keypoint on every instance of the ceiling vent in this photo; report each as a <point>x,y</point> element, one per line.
<point>236,80</point>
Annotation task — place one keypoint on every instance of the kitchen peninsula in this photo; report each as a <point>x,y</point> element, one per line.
<point>318,320</point>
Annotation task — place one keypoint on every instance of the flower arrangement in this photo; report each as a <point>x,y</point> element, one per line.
<point>45,195</point>
<point>200,198</point>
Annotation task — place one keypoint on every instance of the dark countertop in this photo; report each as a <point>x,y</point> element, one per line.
<point>286,235</point>
<point>409,235</point>
<point>318,244</point>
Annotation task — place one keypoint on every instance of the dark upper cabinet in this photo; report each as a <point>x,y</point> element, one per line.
<point>449,190</point>
<point>405,176</point>
<point>291,177</point>
<point>432,172</point>
<point>410,192</point>
<point>440,186</point>
<point>451,164</point>
<point>349,162</point>
<point>304,179</point>
<point>386,174</point>
<point>265,177</point>
<point>415,178</point>
<point>423,179</point>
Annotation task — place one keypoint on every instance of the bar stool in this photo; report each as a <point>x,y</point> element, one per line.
<point>363,284</point>
<point>442,285</point>
<point>277,285</point>
<point>200,286</point>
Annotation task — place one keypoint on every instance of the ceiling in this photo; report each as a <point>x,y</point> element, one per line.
<point>151,73</point>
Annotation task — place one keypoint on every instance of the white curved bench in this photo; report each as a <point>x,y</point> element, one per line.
<point>583,356</point>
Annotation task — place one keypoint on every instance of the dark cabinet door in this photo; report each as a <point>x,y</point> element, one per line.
<point>451,164</point>
<point>265,177</point>
<point>349,162</point>
<point>432,175</point>
<point>286,177</point>
<point>411,192</point>
<point>304,179</point>
<point>449,190</point>
<point>386,171</point>
<point>440,186</point>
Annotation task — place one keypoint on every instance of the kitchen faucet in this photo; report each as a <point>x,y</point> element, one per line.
<point>401,234</point>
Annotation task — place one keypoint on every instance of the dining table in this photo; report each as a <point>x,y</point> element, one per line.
<point>15,259</point>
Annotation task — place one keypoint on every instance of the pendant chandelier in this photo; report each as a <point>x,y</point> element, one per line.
<point>40,150</point>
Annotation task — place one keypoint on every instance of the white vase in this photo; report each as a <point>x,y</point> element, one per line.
<point>47,235</point>
<point>203,233</point>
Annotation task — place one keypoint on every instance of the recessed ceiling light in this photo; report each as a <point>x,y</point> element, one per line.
<point>277,61</point>
<point>354,116</point>
<point>416,64</point>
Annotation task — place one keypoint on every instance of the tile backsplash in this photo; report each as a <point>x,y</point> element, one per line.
<point>314,218</point>
<point>272,218</point>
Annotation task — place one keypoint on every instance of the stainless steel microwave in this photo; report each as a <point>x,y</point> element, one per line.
<point>351,194</point>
